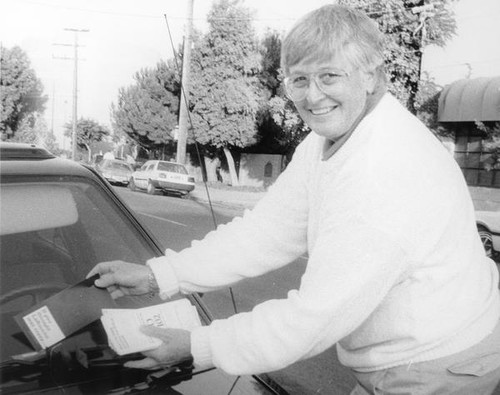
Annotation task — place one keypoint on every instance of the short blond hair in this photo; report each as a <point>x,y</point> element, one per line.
<point>334,30</point>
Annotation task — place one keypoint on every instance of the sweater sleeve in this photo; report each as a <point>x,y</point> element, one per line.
<point>342,286</point>
<point>271,235</point>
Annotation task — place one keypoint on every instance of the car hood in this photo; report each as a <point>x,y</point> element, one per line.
<point>84,364</point>
<point>117,172</point>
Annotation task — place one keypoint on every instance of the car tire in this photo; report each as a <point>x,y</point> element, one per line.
<point>151,190</point>
<point>131,185</point>
<point>487,241</point>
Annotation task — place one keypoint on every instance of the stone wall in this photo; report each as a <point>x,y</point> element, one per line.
<point>260,170</point>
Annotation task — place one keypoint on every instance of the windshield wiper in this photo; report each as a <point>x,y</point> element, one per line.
<point>83,367</point>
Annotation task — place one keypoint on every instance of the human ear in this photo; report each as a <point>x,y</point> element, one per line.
<point>370,80</point>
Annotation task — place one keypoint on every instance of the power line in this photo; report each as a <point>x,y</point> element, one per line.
<point>258,20</point>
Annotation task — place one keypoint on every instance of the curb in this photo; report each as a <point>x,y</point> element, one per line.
<point>226,198</point>
<point>222,204</point>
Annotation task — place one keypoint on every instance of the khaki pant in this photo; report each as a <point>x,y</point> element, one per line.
<point>474,371</point>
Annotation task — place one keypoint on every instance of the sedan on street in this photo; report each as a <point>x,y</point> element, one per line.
<point>117,172</point>
<point>159,175</point>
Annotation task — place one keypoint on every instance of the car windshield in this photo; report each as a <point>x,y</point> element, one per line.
<point>172,167</point>
<point>117,166</point>
<point>52,233</point>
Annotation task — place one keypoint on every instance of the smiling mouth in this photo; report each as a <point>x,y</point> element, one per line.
<point>322,111</point>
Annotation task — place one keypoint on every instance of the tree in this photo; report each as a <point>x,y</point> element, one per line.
<point>491,143</point>
<point>270,50</point>
<point>33,130</point>
<point>225,91</point>
<point>147,111</point>
<point>280,125</point>
<point>408,26</point>
<point>88,131</point>
<point>293,129</point>
<point>20,91</point>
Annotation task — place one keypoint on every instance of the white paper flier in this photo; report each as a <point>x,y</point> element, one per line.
<point>123,325</point>
<point>44,327</point>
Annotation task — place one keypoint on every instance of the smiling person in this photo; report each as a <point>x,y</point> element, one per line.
<point>396,277</point>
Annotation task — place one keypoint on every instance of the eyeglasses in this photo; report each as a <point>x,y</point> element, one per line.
<point>297,85</point>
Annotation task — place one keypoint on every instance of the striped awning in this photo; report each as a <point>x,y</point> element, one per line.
<point>470,100</point>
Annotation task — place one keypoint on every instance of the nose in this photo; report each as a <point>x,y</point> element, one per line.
<point>314,92</point>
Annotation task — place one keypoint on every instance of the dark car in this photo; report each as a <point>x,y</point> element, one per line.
<point>116,171</point>
<point>58,219</point>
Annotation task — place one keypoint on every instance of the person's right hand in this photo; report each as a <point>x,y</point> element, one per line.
<point>122,278</point>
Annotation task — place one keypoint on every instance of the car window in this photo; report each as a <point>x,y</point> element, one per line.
<point>151,167</point>
<point>68,228</point>
<point>172,167</point>
<point>118,166</point>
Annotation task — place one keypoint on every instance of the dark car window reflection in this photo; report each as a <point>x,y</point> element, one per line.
<point>64,254</point>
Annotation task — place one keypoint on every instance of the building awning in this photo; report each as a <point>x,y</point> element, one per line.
<point>470,100</point>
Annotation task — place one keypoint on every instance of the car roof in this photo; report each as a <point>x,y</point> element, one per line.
<point>30,159</point>
<point>17,151</point>
<point>164,161</point>
<point>116,160</point>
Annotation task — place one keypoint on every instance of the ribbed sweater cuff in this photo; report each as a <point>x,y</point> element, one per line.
<point>165,276</point>
<point>200,347</point>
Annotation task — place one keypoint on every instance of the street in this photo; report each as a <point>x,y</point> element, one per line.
<point>176,222</point>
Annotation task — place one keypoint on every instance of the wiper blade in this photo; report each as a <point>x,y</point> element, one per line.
<point>81,367</point>
<point>37,358</point>
<point>29,358</point>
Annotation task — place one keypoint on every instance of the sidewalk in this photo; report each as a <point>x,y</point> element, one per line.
<point>484,198</point>
<point>487,199</point>
<point>226,197</point>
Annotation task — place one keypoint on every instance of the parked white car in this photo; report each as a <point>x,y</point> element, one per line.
<point>488,226</point>
<point>159,175</point>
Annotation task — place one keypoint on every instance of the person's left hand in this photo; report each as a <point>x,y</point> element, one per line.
<point>176,348</point>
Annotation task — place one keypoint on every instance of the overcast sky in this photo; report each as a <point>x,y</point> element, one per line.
<point>127,35</point>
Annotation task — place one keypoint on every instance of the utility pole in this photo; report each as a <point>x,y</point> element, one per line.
<point>53,106</point>
<point>183,110</point>
<point>75,86</point>
<point>424,12</point>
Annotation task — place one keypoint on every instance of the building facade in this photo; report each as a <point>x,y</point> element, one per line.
<point>468,107</point>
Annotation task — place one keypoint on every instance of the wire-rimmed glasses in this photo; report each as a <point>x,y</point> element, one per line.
<point>297,85</point>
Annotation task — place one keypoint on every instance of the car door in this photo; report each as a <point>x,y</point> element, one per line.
<point>140,176</point>
<point>149,173</point>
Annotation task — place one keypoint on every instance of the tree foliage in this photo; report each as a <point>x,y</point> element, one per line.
<point>147,110</point>
<point>33,130</point>
<point>491,143</point>
<point>225,92</point>
<point>88,131</point>
<point>408,26</point>
<point>21,92</point>
<point>280,125</point>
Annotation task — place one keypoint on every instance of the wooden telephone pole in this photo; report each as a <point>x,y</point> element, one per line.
<point>183,110</point>
<point>75,87</point>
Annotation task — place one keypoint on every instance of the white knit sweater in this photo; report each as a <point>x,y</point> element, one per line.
<point>396,271</point>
